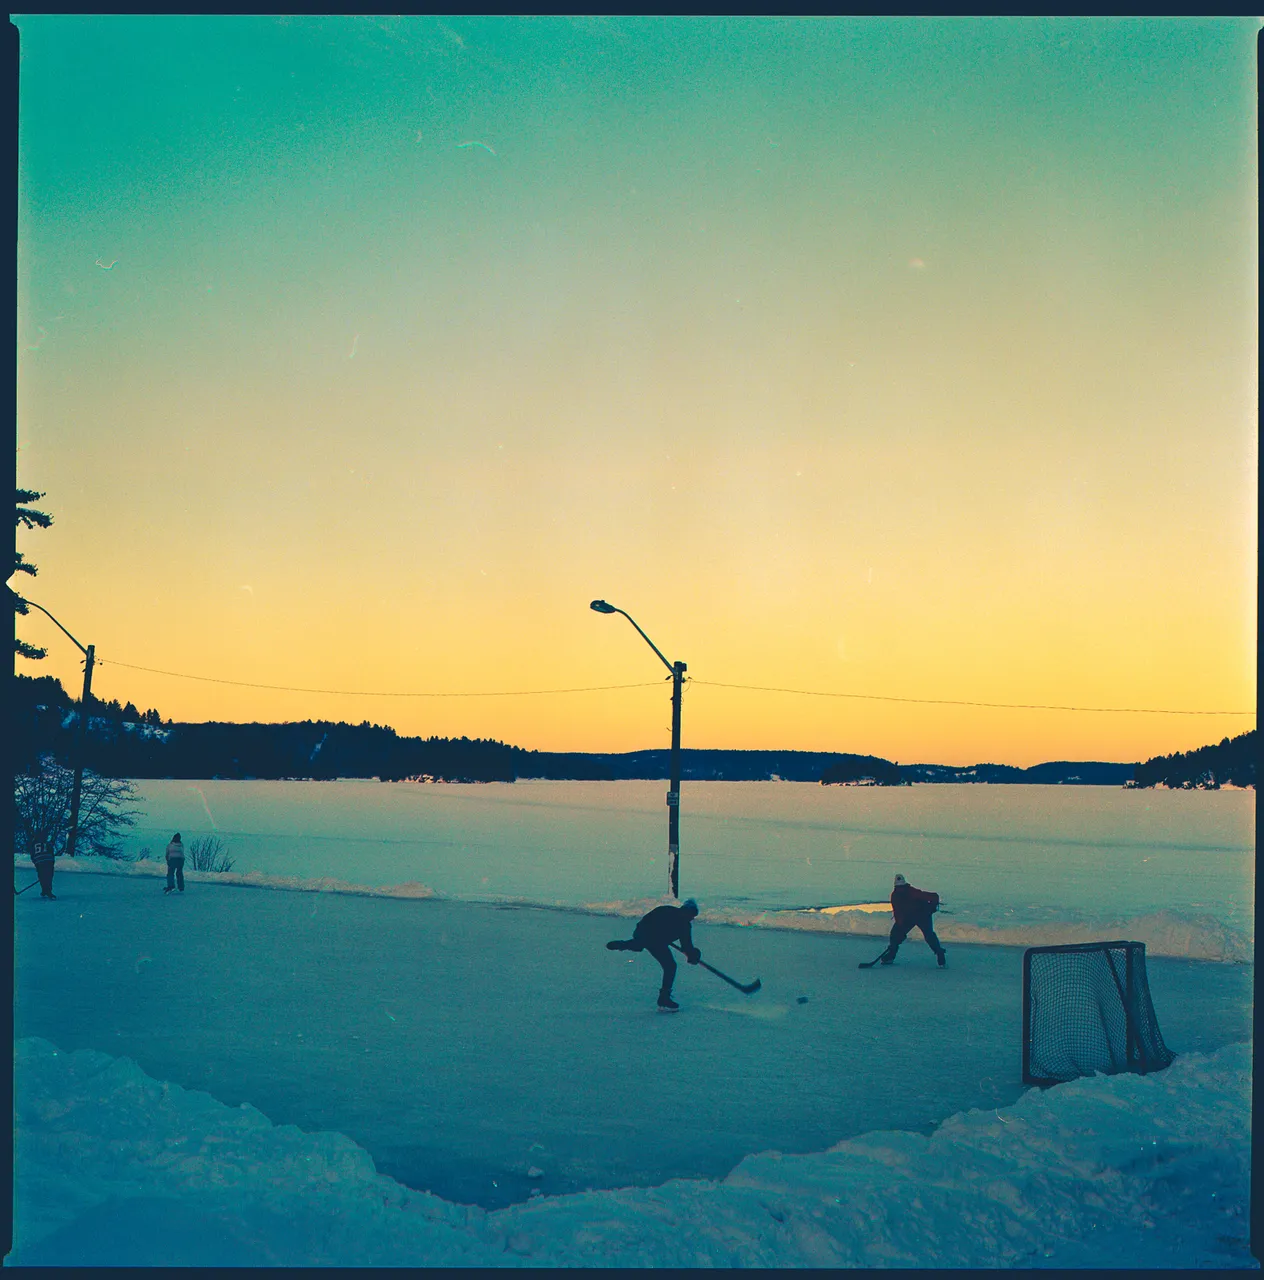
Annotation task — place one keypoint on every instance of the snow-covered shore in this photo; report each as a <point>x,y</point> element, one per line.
<point>113,1167</point>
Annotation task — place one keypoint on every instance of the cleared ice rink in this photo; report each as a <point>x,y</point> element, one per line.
<point>467,1047</point>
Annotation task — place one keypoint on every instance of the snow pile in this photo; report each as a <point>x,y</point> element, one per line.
<point>1189,935</point>
<point>1165,933</point>
<point>113,1167</point>
<point>253,879</point>
<point>101,1144</point>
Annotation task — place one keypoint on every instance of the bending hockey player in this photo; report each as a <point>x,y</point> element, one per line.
<point>912,908</point>
<point>654,933</point>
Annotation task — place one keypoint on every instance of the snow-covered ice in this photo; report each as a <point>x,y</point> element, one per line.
<point>114,1167</point>
<point>1018,865</point>
<point>410,984</point>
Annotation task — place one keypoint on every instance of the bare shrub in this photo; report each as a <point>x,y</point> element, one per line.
<point>42,810</point>
<point>208,854</point>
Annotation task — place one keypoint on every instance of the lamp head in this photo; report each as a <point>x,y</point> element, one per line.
<point>600,606</point>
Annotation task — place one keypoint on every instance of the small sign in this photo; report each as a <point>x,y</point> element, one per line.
<point>673,799</point>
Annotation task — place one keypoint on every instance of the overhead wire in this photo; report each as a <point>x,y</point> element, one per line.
<point>650,684</point>
<point>960,702</point>
<point>362,693</point>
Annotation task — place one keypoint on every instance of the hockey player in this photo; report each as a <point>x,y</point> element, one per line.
<point>654,932</point>
<point>912,908</point>
<point>42,857</point>
<point>175,864</point>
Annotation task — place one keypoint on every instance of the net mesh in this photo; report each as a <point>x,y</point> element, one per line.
<point>1087,1009</point>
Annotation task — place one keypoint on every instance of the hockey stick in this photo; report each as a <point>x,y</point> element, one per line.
<point>868,964</point>
<point>746,989</point>
<point>17,893</point>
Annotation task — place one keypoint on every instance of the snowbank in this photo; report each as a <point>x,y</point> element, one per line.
<point>1191,936</point>
<point>113,1167</point>
<point>253,879</point>
<point>1165,933</point>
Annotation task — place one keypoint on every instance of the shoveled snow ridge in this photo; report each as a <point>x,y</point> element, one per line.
<point>113,1167</point>
<point>1165,933</point>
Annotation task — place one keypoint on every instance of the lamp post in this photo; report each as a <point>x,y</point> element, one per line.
<point>89,656</point>
<point>677,670</point>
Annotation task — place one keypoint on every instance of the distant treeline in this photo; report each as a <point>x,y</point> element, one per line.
<point>1230,761</point>
<point>1083,773</point>
<point>125,743</point>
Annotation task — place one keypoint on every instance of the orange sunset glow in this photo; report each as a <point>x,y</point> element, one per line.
<point>903,363</point>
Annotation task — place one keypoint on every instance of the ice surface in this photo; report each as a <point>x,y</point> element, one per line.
<point>115,1168</point>
<point>462,1044</point>
<point>344,981</point>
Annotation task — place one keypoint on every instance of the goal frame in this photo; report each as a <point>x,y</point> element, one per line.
<point>1133,1056</point>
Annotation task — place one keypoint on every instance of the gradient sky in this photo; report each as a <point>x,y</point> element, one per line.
<point>910,357</point>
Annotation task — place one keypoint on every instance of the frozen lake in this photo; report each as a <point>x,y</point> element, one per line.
<point>1020,864</point>
<point>468,1035</point>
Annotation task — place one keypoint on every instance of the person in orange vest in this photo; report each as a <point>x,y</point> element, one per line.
<point>912,909</point>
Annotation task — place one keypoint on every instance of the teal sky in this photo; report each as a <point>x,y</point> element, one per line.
<point>891,356</point>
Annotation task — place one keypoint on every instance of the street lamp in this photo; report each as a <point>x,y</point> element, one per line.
<point>677,670</point>
<point>89,655</point>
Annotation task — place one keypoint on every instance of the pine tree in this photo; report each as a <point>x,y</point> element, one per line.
<point>27,517</point>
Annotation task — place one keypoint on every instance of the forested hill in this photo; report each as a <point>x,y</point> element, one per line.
<point>123,742</point>
<point>1230,761</point>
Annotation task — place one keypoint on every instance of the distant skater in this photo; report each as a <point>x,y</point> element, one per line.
<point>175,864</point>
<point>654,932</point>
<point>42,857</point>
<point>913,908</point>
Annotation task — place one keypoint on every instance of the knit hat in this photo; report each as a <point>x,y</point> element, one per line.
<point>690,905</point>
<point>899,879</point>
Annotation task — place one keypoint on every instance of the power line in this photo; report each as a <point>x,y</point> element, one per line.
<point>361,693</point>
<point>955,702</point>
<point>654,684</point>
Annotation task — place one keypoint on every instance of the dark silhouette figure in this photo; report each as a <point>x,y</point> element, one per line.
<point>175,864</point>
<point>654,933</point>
<point>913,908</point>
<point>42,857</point>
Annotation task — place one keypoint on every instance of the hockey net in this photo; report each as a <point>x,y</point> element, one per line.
<point>1086,1010</point>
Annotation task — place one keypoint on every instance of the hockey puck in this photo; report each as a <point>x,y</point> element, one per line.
<point>803,999</point>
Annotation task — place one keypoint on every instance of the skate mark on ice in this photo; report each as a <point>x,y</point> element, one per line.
<point>768,1012</point>
<point>205,806</point>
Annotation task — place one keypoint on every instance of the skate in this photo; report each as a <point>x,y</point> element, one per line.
<point>942,960</point>
<point>666,1002</point>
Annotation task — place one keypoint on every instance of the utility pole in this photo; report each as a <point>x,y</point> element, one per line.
<point>81,736</point>
<point>677,670</point>
<point>673,795</point>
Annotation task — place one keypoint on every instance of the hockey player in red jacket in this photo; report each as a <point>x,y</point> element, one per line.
<point>912,908</point>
